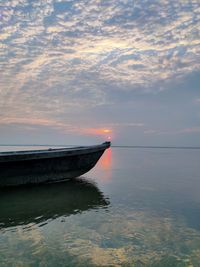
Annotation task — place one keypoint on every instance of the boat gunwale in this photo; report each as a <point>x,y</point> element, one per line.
<point>49,153</point>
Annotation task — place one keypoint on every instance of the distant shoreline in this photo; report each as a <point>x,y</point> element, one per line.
<point>159,147</point>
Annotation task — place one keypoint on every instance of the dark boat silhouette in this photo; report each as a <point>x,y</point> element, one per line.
<point>50,165</point>
<point>41,203</point>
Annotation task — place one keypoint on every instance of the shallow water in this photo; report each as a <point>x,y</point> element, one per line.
<point>137,207</point>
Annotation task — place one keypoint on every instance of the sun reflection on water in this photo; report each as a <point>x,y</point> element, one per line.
<point>105,166</point>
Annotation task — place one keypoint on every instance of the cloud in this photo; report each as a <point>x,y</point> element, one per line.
<point>60,56</point>
<point>197,100</point>
<point>126,124</point>
<point>34,124</point>
<point>191,130</point>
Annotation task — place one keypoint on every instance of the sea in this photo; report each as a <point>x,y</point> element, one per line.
<point>137,207</point>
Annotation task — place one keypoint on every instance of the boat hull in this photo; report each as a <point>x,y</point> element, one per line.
<point>48,166</point>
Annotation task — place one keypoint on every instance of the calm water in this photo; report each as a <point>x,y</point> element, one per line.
<point>137,207</point>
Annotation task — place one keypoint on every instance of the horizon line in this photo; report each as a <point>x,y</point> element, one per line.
<point>114,146</point>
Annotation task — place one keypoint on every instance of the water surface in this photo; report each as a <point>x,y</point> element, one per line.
<point>137,207</point>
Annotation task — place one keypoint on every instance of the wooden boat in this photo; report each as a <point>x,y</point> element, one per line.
<point>50,165</point>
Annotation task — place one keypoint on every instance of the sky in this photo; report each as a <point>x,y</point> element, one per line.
<point>86,71</point>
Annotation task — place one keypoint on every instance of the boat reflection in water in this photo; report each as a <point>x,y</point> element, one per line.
<point>42,203</point>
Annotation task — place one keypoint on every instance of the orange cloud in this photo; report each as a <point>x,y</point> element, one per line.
<point>59,125</point>
<point>96,131</point>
